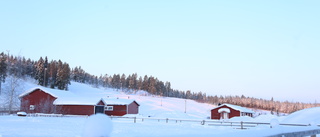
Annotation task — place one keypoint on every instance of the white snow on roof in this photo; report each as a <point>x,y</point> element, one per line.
<point>118,101</point>
<point>239,108</point>
<point>224,110</point>
<point>54,92</point>
<point>65,97</point>
<point>76,101</point>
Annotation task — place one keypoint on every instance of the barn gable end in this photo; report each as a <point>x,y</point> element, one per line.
<point>37,101</point>
<point>133,108</point>
<point>226,111</point>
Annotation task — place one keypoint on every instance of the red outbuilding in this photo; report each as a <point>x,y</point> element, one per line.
<point>226,111</point>
<point>44,100</point>
<point>120,107</point>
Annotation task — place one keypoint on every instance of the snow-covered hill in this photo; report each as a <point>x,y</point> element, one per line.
<point>150,106</point>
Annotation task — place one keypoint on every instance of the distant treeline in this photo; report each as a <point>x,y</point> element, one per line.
<point>58,74</point>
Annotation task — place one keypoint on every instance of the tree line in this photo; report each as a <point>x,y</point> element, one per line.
<point>58,74</point>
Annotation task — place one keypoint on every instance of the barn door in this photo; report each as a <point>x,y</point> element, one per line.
<point>99,109</point>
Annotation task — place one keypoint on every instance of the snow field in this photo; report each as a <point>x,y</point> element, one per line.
<point>150,107</point>
<point>14,126</point>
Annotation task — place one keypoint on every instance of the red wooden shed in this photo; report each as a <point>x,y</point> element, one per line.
<point>226,111</point>
<point>120,107</point>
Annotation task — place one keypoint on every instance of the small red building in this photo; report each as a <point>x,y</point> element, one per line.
<point>44,100</point>
<point>226,111</point>
<point>120,107</point>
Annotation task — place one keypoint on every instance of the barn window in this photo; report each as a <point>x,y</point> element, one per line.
<point>32,107</point>
<point>108,108</point>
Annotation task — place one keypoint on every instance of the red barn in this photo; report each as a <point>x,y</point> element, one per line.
<point>226,111</point>
<point>44,100</point>
<point>37,101</point>
<point>120,107</point>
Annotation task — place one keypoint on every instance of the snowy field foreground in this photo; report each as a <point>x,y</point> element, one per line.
<point>14,126</point>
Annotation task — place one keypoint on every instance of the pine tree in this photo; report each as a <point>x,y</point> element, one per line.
<point>139,83</point>
<point>63,76</point>
<point>3,69</point>
<point>40,71</point>
<point>145,83</point>
<point>52,73</point>
<point>168,89</point>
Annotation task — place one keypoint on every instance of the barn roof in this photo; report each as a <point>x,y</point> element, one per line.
<point>65,97</point>
<point>53,92</point>
<point>118,101</point>
<point>69,98</point>
<point>239,108</point>
<point>77,101</point>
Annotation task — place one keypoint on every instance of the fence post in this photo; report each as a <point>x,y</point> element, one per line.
<point>167,120</point>
<point>134,119</point>
<point>241,124</point>
<point>203,122</point>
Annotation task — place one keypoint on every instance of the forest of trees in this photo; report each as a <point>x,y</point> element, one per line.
<point>58,74</point>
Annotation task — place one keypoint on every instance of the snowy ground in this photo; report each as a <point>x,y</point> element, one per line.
<point>14,126</point>
<point>155,108</point>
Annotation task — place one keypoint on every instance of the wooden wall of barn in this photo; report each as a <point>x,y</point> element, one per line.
<point>42,101</point>
<point>75,109</point>
<point>118,110</point>
<point>133,108</point>
<point>216,115</point>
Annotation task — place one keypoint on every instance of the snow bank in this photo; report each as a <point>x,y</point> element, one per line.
<point>98,125</point>
<point>305,116</point>
<point>243,118</point>
<point>266,118</point>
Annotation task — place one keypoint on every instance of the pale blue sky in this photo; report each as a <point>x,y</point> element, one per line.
<point>259,49</point>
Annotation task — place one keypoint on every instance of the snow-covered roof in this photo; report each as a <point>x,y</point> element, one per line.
<point>224,110</point>
<point>239,108</point>
<point>64,97</point>
<point>69,98</point>
<point>77,101</point>
<point>110,101</point>
<point>53,92</point>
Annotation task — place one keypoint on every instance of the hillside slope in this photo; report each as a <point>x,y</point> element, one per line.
<point>150,106</point>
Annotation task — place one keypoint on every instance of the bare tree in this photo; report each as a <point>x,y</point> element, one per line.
<point>11,93</point>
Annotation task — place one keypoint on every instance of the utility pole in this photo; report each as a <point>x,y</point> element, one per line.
<point>45,74</point>
<point>185,106</point>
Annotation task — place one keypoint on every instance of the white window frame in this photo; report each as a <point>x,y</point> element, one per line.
<point>108,108</point>
<point>32,107</point>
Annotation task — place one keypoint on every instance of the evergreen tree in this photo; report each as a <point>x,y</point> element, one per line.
<point>40,71</point>
<point>3,69</point>
<point>139,83</point>
<point>168,89</point>
<point>63,76</point>
<point>145,83</point>
<point>52,73</point>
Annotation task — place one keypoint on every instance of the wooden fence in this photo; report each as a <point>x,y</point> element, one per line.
<point>235,124</point>
<point>209,122</point>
